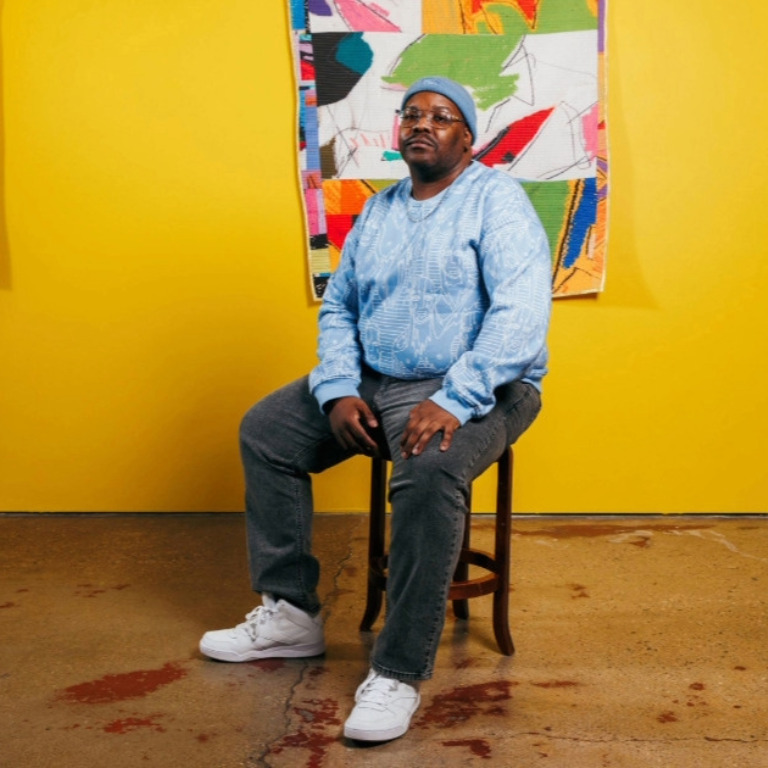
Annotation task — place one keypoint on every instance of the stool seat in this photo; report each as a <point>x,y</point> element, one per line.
<point>496,565</point>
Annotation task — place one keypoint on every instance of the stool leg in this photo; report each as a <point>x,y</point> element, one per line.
<point>376,534</point>
<point>461,607</point>
<point>503,553</point>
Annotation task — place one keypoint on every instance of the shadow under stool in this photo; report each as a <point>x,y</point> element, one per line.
<point>494,580</point>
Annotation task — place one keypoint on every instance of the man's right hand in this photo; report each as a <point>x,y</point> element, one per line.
<point>351,423</point>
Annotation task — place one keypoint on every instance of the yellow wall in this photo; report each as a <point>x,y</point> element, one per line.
<point>153,285</point>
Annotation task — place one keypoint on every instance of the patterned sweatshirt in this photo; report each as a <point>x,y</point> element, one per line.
<point>456,287</point>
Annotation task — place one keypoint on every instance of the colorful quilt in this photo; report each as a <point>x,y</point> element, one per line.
<point>536,69</point>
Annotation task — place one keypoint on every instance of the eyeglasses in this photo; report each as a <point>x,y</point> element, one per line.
<point>440,120</point>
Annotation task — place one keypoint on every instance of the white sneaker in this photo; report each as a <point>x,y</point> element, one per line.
<point>273,630</point>
<point>383,709</point>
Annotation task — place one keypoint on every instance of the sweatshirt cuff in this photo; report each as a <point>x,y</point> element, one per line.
<point>462,412</point>
<point>334,389</point>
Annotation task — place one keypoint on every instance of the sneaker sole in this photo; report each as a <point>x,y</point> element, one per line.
<point>364,734</point>
<point>358,734</point>
<point>287,652</point>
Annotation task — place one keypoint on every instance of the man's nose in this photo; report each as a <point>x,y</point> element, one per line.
<point>424,121</point>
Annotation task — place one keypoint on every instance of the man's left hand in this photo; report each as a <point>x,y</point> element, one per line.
<point>426,420</point>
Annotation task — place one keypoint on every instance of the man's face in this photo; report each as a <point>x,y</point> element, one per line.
<point>428,148</point>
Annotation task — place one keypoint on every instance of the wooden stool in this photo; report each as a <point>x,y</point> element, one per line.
<point>462,588</point>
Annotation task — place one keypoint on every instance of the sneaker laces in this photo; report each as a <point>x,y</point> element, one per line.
<point>258,616</point>
<point>377,691</point>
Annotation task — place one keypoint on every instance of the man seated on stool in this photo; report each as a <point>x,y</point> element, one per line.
<point>432,348</point>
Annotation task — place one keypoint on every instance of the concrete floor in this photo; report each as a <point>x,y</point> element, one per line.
<point>640,642</point>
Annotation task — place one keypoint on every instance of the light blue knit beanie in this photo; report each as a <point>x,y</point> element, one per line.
<point>452,90</point>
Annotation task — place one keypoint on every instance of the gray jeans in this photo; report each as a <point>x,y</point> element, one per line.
<point>285,438</point>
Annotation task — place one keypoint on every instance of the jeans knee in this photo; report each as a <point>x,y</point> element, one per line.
<point>430,477</point>
<point>254,425</point>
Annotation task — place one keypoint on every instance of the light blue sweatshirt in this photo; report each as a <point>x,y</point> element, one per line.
<point>457,287</point>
